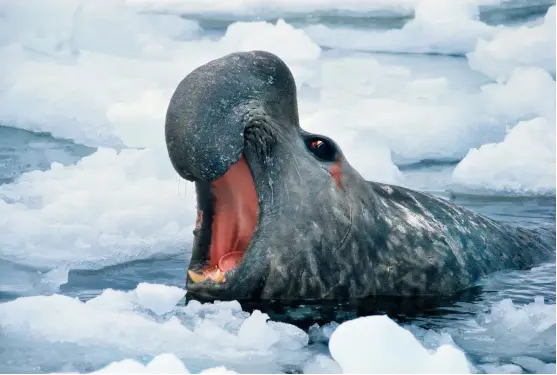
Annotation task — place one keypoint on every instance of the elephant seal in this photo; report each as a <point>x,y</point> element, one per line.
<point>283,216</point>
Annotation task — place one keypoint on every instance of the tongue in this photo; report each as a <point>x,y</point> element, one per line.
<point>235,216</point>
<point>230,260</point>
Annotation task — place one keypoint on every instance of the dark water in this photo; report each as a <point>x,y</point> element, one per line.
<point>23,151</point>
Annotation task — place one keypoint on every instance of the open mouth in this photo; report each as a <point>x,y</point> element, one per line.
<point>234,211</point>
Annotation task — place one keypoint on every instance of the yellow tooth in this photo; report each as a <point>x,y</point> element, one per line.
<point>217,276</point>
<point>195,277</point>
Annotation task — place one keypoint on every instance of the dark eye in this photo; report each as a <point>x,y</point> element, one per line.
<point>322,148</point>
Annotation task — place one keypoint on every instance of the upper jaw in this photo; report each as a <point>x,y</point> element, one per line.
<point>213,240</point>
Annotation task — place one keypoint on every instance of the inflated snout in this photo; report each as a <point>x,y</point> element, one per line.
<point>203,149</point>
<point>211,107</point>
<point>205,124</point>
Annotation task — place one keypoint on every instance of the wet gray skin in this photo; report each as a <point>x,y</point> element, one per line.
<point>317,239</point>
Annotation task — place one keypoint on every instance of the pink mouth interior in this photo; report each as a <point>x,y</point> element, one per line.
<point>235,211</point>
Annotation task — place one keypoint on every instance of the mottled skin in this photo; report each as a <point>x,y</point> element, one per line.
<point>318,238</point>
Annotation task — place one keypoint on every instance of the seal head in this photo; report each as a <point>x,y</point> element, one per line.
<point>268,192</point>
<point>283,216</point>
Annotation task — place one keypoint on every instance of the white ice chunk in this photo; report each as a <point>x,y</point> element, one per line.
<point>108,208</point>
<point>549,368</point>
<point>218,370</point>
<point>160,299</point>
<point>523,163</point>
<point>288,42</point>
<point>380,114</point>
<point>116,326</point>
<point>534,365</point>
<point>272,8</point>
<point>126,366</point>
<point>166,363</point>
<point>103,96</point>
<point>520,324</point>
<point>495,368</point>
<point>63,29</point>
<point>528,93</point>
<point>322,364</point>
<point>446,27</point>
<point>255,332</point>
<point>513,47</point>
<point>363,148</point>
<point>373,345</point>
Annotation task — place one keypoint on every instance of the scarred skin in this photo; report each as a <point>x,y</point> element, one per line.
<point>323,232</point>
